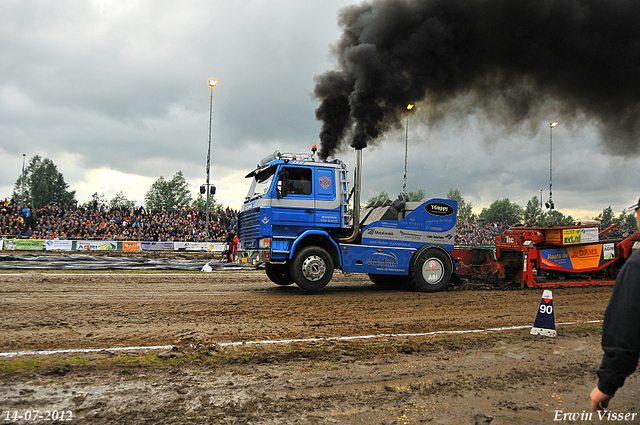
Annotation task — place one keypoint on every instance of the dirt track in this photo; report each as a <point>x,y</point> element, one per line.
<point>499,377</point>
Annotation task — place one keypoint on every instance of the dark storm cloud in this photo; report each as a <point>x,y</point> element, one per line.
<point>505,58</point>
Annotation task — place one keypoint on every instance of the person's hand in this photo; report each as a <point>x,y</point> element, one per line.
<point>599,400</point>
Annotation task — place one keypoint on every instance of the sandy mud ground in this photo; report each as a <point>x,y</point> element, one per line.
<point>495,377</point>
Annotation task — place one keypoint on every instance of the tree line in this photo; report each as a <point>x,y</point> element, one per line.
<point>505,211</point>
<point>42,184</point>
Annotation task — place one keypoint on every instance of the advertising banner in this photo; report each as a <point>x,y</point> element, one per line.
<point>218,246</point>
<point>24,244</point>
<point>572,236</point>
<point>131,246</point>
<point>127,246</point>
<point>578,257</point>
<point>199,246</point>
<point>590,235</point>
<point>156,246</point>
<point>96,246</point>
<point>58,245</point>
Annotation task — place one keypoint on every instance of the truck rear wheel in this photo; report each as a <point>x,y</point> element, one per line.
<point>431,271</point>
<point>312,268</point>
<point>279,274</point>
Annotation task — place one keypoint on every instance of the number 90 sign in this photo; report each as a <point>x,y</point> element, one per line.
<point>546,309</point>
<point>545,323</point>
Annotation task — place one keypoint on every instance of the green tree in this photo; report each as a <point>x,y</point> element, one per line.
<point>96,201</point>
<point>465,209</point>
<point>557,217</point>
<point>627,220</point>
<point>383,196</point>
<point>503,211</point>
<point>606,217</point>
<point>121,201</point>
<point>43,184</point>
<point>167,194</point>
<point>532,212</point>
<point>416,196</point>
<point>631,222</point>
<point>200,202</point>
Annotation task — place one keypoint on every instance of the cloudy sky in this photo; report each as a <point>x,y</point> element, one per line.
<point>116,94</point>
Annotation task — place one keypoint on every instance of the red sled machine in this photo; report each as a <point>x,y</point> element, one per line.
<point>548,257</point>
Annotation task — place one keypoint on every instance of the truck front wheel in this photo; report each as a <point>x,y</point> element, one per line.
<point>431,271</point>
<point>279,274</point>
<point>312,268</point>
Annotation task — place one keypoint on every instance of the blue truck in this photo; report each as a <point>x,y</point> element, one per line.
<point>302,220</point>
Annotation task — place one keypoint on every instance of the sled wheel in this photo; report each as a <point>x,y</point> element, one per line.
<point>279,274</point>
<point>431,271</point>
<point>312,268</point>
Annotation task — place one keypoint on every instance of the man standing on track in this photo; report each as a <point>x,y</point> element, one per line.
<point>620,331</point>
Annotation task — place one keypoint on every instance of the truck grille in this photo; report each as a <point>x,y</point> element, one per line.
<point>249,227</point>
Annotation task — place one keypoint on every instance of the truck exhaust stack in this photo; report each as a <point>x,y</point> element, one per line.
<point>357,184</point>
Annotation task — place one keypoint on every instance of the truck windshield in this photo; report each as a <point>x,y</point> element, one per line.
<point>261,183</point>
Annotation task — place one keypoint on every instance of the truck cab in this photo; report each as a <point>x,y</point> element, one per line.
<point>291,195</point>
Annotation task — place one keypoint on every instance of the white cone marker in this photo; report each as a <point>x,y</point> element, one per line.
<point>545,323</point>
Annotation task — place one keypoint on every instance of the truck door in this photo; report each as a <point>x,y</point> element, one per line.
<point>327,203</point>
<point>296,208</point>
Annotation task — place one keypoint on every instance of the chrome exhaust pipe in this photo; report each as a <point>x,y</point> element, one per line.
<point>357,178</point>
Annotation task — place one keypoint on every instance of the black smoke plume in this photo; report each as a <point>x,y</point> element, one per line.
<point>508,58</point>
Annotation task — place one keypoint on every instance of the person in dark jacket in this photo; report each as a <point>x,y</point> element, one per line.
<point>620,331</point>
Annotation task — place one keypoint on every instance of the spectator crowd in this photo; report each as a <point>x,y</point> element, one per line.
<point>620,232</point>
<point>137,224</point>
<point>104,223</point>
<point>468,234</point>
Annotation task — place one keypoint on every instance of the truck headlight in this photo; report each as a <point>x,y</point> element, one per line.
<point>264,243</point>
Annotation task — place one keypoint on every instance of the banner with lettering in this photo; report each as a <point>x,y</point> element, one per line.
<point>584,257</point>
<point>96,246</point>
<point>199,246</point>
<point>156,246</point>
<point>572,236</point>
<point>58,245</point>
<point>131,246</point>
<point>24,244</point>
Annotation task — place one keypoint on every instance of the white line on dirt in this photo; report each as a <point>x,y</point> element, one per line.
<point>280,341</point>
<point>349,338</point>
<point>82,350</point>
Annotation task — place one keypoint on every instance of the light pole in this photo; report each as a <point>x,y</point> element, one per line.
<point>212,84</point>
<point>24,155</point>
<point>406,148</point>
<point>540,206</point>
<point>550,203</point>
